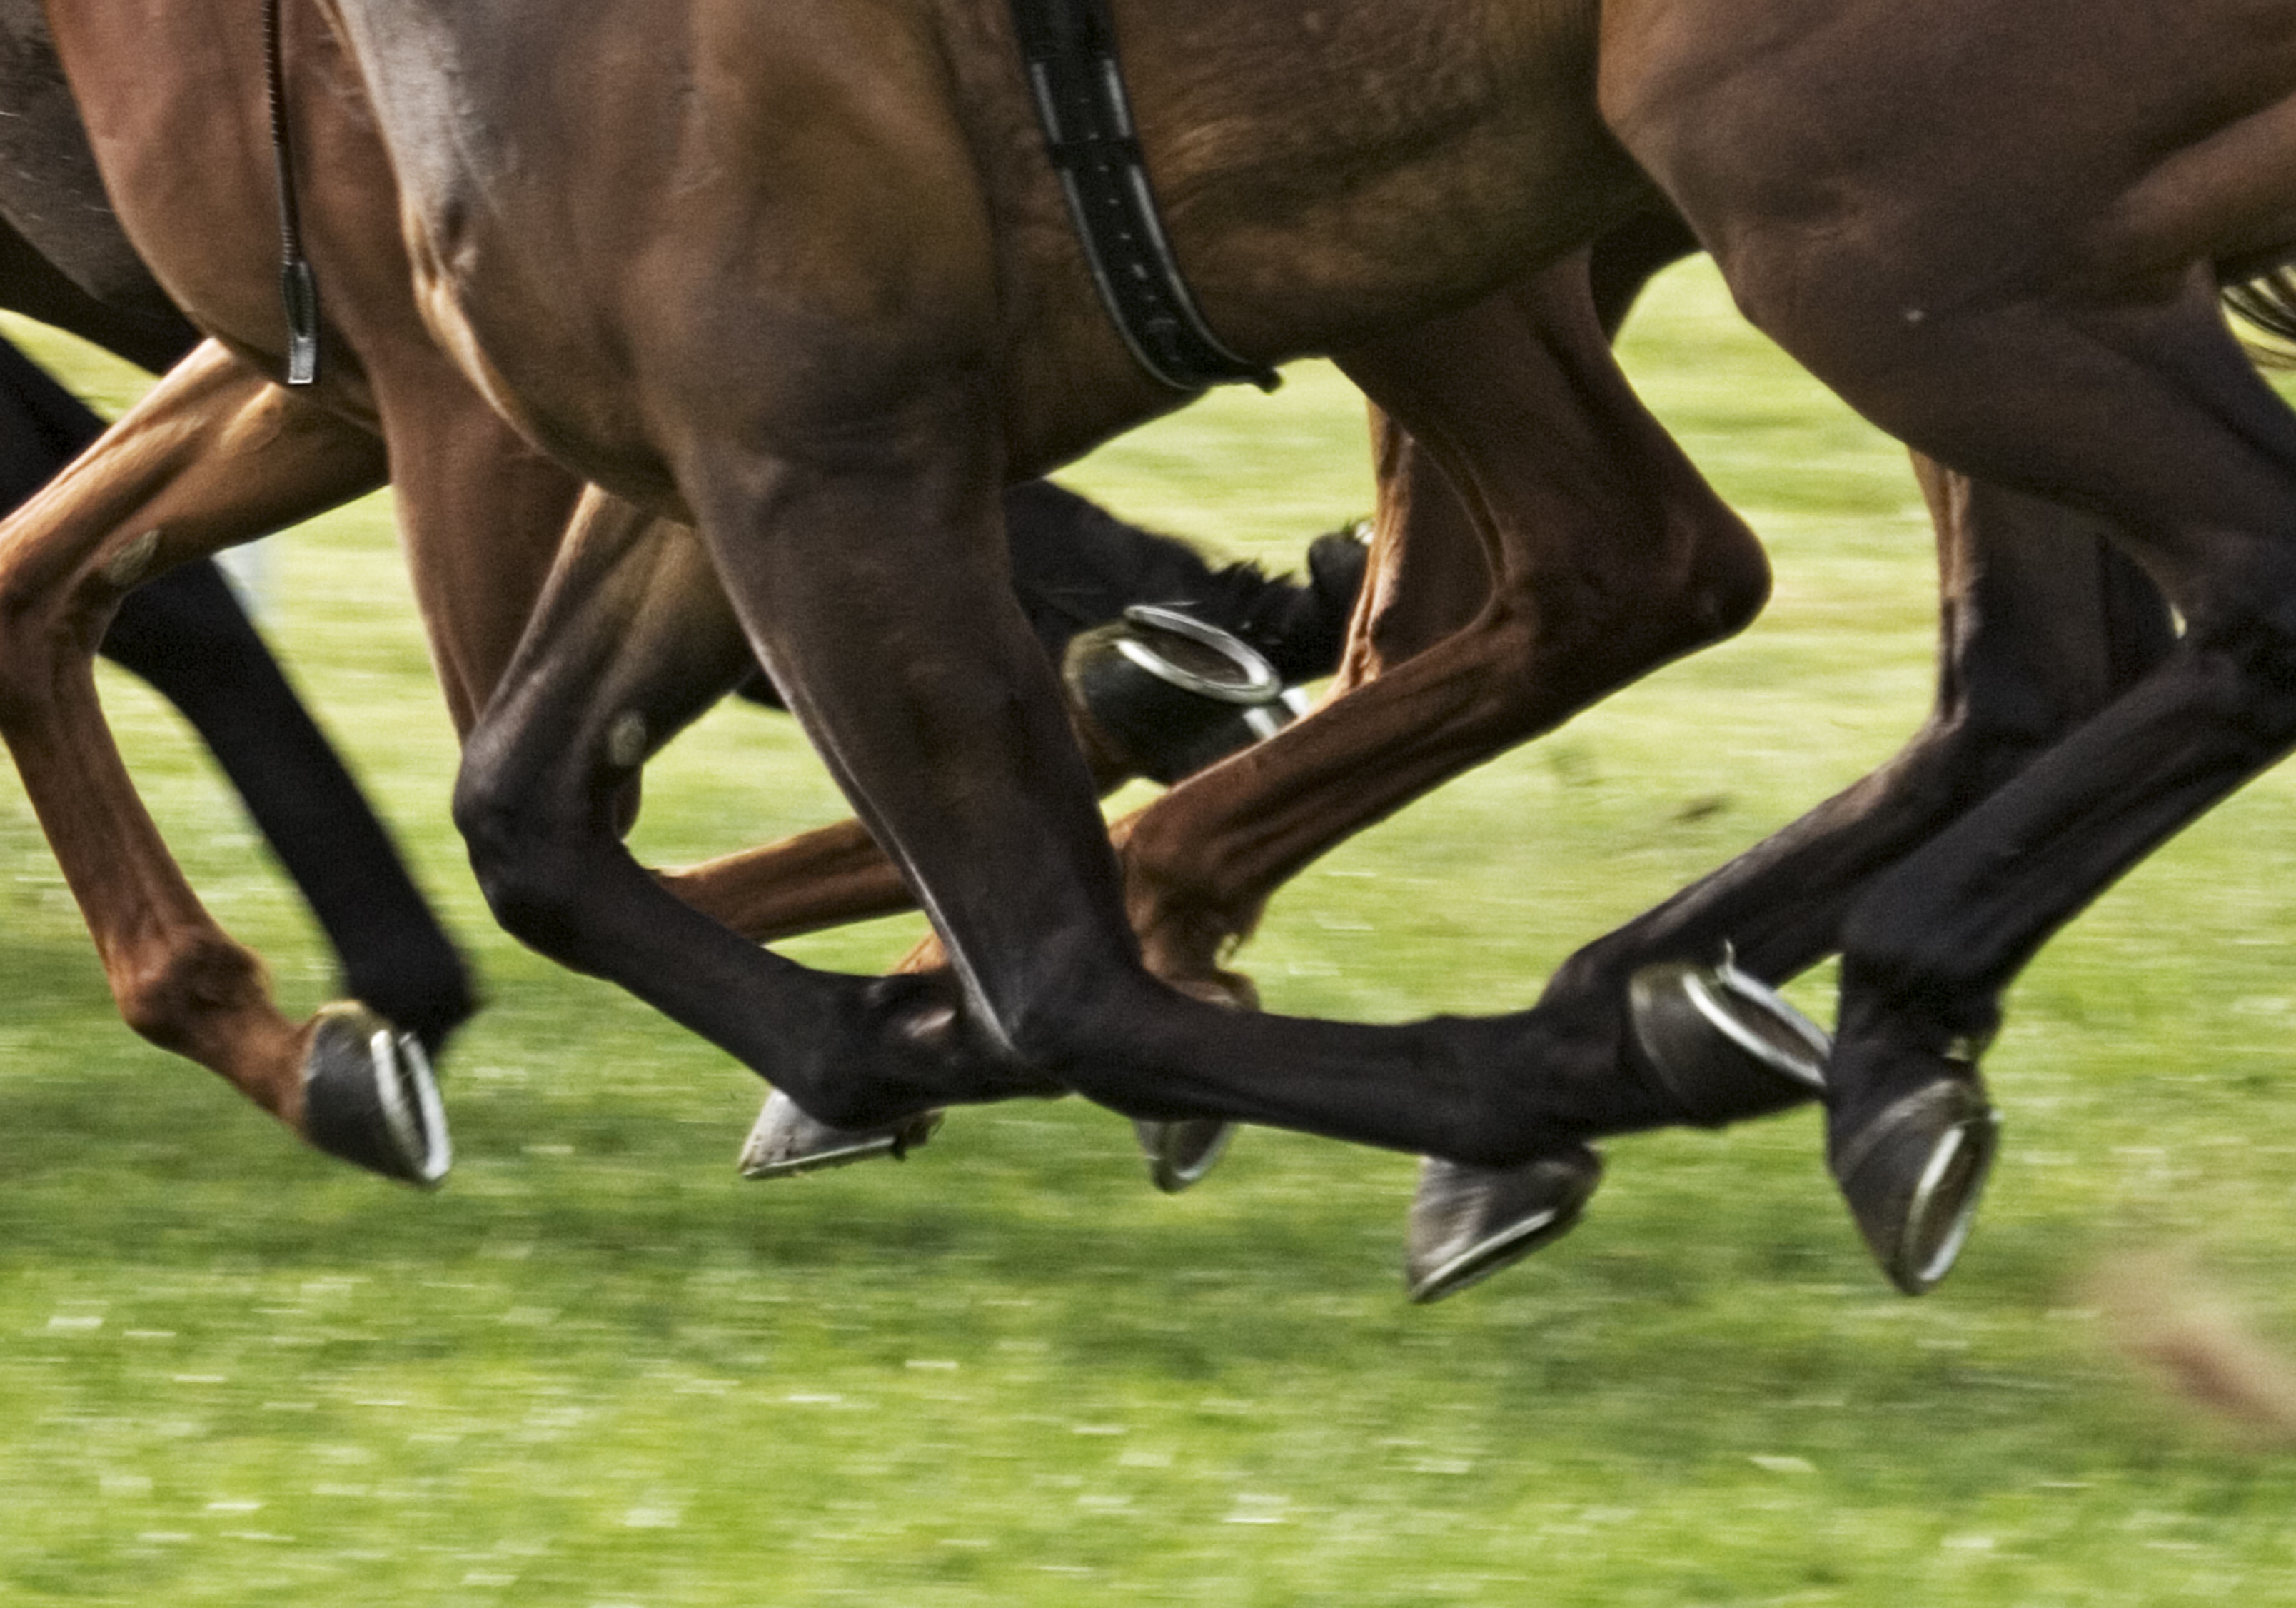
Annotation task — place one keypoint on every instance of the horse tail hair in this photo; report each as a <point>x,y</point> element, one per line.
<point>2267,303</point>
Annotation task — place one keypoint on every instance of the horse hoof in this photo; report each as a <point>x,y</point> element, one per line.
<point>786,1142</point>
<point>1726,1045</point>
<point>1180,1154</point>
<point>1171,695</point>
<point>369,1097</point>
<point>1468,1223</point>
<point>1913,1176</point>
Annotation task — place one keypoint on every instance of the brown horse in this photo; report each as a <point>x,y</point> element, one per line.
<point>63,260</point>
<point>801,277</point>
<point>213,440</point>
<point>71,263</point>
<point>1502,641</point>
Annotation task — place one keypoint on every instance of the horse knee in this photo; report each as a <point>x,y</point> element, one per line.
<point>525,853</point>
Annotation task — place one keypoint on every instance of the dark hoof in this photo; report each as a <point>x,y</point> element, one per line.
<point>1913,1176</point>
<point>1469,1222</point>
<point>786,1142</point>
<point>369,1097</point>
<point>1726,1045</point>
<point>1171,695</point>
<point>1180,1154</point>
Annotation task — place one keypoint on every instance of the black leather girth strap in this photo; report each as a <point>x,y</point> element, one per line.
<point>1070,48</point>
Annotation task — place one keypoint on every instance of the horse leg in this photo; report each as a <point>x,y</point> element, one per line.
<point>633,640</point>
<point>215,454</point>
<point>187,635</point>
<point>2150,413</point>
<point>1600,553</point>
<point>2043,623</point>
<point>957,755</point>
<point>1584,552</point>
<point>634,623</point>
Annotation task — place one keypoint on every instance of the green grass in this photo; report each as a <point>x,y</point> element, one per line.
<point>598,1370</point>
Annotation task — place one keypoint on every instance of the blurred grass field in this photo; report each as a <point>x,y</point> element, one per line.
<point>599,1370</point>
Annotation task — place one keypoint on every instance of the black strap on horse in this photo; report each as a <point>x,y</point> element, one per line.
<point>298,287</point>
<point>1070,48</point>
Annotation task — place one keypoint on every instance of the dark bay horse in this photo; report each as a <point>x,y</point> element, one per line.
<point>801,277</point>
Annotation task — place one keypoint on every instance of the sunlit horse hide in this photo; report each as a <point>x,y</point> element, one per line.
<point>1291,249</point>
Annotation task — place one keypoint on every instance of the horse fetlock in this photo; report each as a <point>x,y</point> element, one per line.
<point>906,1044</point>
<point>183,997</point>
<point>428,992</point>
<point>1889,1041</point>
<point>1186,924</point>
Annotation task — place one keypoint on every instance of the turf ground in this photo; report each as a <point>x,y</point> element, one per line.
<point>598,1370</point>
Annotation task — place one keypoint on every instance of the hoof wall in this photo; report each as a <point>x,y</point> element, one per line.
<point>1468,1223</point>
<point>1172,694</point>
<point>1726,1045</point>
<point>369,1097</point>
<point>1180,1154</point>
<point>1914,1175</point>
<point>786,1143</point>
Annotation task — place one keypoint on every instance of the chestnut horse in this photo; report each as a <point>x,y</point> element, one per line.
<point>187,635</point>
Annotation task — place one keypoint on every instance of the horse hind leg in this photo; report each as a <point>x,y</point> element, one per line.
<point>2043,623</point>
<point>1541,543</point>
<point>2151,416</point>
<point>214,454</point>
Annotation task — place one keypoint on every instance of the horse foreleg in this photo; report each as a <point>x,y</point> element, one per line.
<point>633,640</point>
<point>215,455</point>
<point>1606,554</point>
